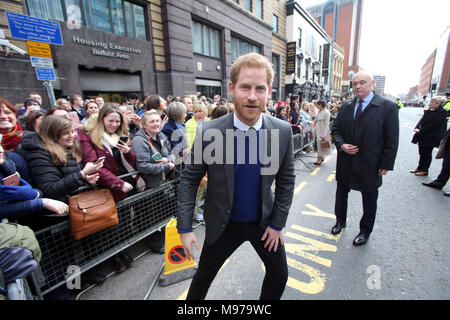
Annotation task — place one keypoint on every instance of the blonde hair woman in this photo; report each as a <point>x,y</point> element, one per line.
<point>200,113</point>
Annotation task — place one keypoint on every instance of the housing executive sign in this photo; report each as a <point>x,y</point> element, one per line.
<point>110,49</point>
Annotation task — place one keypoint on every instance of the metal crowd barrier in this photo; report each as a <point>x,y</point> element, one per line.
<point>303,140</point>
<point>139,216</point>
<point>24,288</point>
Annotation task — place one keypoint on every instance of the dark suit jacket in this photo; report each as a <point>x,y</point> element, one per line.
<point>432,126</point>
<point>220,188</point>
<point>376,135</point>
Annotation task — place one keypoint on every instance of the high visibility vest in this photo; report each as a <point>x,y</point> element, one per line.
<point>447,107</point>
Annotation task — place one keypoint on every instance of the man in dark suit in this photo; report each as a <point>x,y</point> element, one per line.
<point>239,204</point>
<point>366,136</point>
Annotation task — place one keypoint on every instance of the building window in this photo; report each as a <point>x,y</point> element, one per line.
<point>240,47</point>
<point>275,23</point>
<point>46,9</point>
<point>275,64</point>
<point>116,16</point>
<point>259,9</point>
<point>248,5</point>
<point>206,40</point>
<point>299,67</point>
<point>299,37</point>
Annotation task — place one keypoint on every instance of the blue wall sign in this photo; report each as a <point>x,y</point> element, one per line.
<point>34,29</point>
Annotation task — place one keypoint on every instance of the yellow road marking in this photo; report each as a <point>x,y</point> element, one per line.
<point>317,212</point>
<point>300,187</point>
<point>315,171</point>
<point>317,233</point>
<point>331,177</point>
<point>317,278</point>
<point>326,159</point>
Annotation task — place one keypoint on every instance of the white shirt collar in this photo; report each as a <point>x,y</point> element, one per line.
<point>242,126</point>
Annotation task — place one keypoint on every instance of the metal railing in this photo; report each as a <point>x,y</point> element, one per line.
<point>139,216</point>
<point>302,141</point>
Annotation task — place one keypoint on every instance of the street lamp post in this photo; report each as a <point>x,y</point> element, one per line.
<point>331,64</point>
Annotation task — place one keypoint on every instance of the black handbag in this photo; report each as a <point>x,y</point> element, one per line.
<point>415,138</point>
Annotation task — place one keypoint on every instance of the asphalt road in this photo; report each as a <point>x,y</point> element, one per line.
<point>406,257</point>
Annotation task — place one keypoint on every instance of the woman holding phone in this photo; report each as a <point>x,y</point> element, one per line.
<point>103,140</point>
<point>107,139</point>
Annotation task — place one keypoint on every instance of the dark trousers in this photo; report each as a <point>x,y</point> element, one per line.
<point>369,200</point>
<point>444,175</point>
<point>425,157</point>
<point>213,256</point>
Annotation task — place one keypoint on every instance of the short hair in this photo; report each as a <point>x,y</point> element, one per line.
<point>132,96</point>
<point>148,114</point>
<point>439,99</point>
<point>200,105</point>
<point>321,103</point>
<point>176,110</point>
<point>186,97</point>
<point>219,111</point>
<point>251,59</point>
<point>152,102</point>
<point>72,98</point>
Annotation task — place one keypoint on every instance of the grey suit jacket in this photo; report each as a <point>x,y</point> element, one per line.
<point>220,188</point>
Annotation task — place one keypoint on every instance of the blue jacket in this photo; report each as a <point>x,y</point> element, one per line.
<point>172,126</point>
<point>17,201</point>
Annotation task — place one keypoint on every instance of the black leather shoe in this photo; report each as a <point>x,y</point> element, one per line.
<point>433,184</point>
<point>159,250</point>
<point>95,278</point>
<point>118,265</point>
<point>361,239</point>
<point>126,259</point>
<point>337,228</point>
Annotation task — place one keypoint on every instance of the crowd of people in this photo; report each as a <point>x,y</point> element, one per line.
<point>56,150</point>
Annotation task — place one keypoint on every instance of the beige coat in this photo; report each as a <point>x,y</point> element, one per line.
<point>322,130</point>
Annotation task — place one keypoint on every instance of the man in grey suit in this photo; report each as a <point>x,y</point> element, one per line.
<point>243,154</point>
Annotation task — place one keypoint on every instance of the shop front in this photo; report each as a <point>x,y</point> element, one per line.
<point>92,63</point>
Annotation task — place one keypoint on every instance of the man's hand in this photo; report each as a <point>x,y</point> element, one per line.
<point>273,238</point>
<point>350,149</point>
<point>382,172</point>
<point>187,239</point>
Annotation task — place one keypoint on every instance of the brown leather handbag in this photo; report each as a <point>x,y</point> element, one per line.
<point>92,211</point>
<point>324,144</point>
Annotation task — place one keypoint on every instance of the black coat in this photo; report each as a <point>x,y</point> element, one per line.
<point>377,138</point>
<point>432,126</point>
<point>55,181</point>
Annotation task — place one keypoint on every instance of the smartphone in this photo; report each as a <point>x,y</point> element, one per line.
<point>124,139</point>
<point>157,156</point>
<point>12,180</point>
<point>100,159</point>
